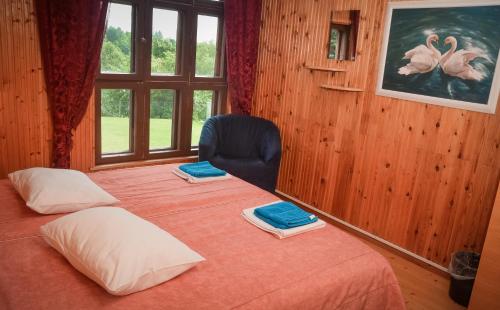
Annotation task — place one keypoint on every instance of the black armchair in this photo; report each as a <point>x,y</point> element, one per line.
<point>245,146</point>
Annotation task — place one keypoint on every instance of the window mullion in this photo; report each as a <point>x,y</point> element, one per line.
<point>144,47</point>
<point>146,40</point>
<point>185,114</point>
<point>186,98</point>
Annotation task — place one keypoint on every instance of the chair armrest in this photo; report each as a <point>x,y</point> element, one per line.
<point>270,148</point>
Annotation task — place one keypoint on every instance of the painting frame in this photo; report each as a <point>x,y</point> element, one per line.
<point>489,107</point>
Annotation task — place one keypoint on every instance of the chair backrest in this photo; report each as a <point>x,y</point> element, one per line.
<point>240,136</point>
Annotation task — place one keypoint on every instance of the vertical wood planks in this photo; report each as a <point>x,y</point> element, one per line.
<point>421,176</point>
<point>25,125</point>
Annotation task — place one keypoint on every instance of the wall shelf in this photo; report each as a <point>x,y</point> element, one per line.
<point>326,69</point>
<point>349,89</point>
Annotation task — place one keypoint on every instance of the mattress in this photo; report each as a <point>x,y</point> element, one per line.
<point>245,267</point>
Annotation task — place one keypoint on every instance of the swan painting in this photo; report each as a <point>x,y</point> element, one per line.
<point>456,63</point>
<point>442,52</point>
<point>423,58</point>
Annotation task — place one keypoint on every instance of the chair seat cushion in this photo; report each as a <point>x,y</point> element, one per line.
<point>252,170</point>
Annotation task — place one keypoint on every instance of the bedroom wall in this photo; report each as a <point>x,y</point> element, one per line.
<point>421,176</point>
<point>25,130</point>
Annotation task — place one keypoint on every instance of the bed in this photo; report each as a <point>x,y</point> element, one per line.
<point>246,268</point>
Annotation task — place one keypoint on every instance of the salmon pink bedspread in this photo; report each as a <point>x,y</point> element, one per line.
<point>245,268</point>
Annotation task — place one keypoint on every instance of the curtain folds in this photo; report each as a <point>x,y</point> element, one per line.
<point>242,21</point>
<point>71,35</point>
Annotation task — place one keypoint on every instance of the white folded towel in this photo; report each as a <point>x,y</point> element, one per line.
<point>280,233</point>
<point>192,179</point>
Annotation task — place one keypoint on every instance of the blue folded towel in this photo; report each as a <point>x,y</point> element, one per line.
<point>202,169</point>
<point>284,215</point>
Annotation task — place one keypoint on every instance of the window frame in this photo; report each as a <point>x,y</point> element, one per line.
<point>183,32</point>
<point>175,119</point>
<point>185,82</point>
<point>220,55</point>
<point>135,47</point>
<point>218,101</point>
<point>136,125</point>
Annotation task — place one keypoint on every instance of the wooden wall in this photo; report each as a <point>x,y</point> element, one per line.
<point>421,176</point>
<point>25,127</point>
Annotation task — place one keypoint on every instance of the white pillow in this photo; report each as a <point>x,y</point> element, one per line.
<point>50,191</point>
<point>119,251</point>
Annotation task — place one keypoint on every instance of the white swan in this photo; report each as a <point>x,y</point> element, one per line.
<point>457,63</point>
<point>422,58</point>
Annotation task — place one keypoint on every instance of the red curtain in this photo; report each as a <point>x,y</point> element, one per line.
<point>71,35</point>
<point>242,20</point>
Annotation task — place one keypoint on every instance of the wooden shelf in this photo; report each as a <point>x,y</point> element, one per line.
<point>326,69</point>
<point>332,87</point>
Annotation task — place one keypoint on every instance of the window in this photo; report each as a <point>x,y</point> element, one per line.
<point>161,111</point>
<point>206,46</point>
<point>161,76</point>
<point>164,42</point>
<point>339,36</point>
<point>202,110</point>
<point>116,53</point>
<point>343,36</point>
<point>116,108</point>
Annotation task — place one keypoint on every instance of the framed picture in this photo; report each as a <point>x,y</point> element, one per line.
<point>443,53</point>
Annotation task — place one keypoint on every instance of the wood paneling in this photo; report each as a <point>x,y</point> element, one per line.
<point>25,127</point>
<point>486,293</point>
<point>421,176</point>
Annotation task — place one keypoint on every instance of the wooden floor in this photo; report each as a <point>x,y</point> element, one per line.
<point>422,289</point>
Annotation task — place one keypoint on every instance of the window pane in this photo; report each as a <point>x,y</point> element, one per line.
<point>334,39</point>
<point>164,45</point>
<point>206,45</point>
<point>160,118</point>
<point>116,107</point>
<point>202,110</point>
<point>116,53</point>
